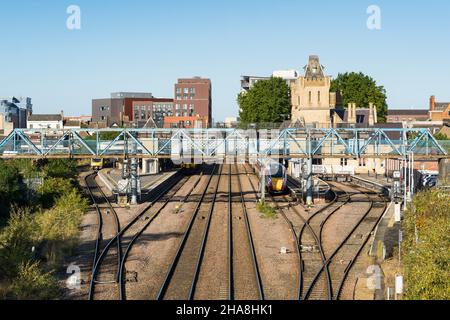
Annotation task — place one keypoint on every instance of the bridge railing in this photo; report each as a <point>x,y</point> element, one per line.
<point>292,142</point>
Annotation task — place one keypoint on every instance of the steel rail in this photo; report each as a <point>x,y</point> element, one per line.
<point>97,258</point>
<point>330,258</point>
<point>139,233</point>
<point>230,239</point>
<point>123,230</point>
<point>99,218</point>
<point>361,248</point>
<point>204,239</point>
<point>317,239</point>
<point>182,244</point>
<point>250,238</point>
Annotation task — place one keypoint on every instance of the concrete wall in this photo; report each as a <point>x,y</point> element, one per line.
<point>444,171</point>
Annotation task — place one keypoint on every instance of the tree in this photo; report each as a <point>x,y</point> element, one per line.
<point>441,136</point>
<point>267,101</point>
<point>61,168</point>
<point>361,89</point>
<point>9,188</point>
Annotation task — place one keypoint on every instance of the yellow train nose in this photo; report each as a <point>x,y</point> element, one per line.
<point>277,184</point>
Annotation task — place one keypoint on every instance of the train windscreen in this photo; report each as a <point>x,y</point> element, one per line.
<point>276,170</point>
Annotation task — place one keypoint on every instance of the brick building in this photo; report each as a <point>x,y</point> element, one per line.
<point>407,115</point>
<point>193,97</point>
<point>439,111</point>
<point>130,108</point>
<point>193,122</point>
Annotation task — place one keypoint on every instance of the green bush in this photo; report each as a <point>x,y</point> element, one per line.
<point>52,189</point>
<point>61,168</point>
<point>10,181</point>
<point>16,241</point>
<point>267,211</point>
<point>32,283</point>
<point>426,247</point>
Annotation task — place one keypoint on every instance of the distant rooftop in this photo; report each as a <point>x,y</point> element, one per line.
<point>120,95</point>
<point>409,112</point>
<point>314,70</point>
<point>45,117</point>
<point>441,106</point>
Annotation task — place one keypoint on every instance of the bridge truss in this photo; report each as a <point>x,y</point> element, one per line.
<point>207,144</point>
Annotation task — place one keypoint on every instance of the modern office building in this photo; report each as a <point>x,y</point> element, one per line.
<point>193,97</point>
<point>13,113</point>
<point>151,112</point>
<point>130,109</point>
<point>247,82</point>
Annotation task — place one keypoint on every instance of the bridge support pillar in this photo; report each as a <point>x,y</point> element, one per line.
<point>309,183</point>
<point>134,180</point>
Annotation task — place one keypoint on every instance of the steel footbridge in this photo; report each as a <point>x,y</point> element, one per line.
<point>210,144</point>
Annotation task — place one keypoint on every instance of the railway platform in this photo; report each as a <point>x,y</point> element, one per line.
<point>111,177</point>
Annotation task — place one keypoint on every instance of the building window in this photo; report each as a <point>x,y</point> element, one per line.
<point>362,162</point>
<point>344,162</point>
<point>360,119</point>
<point>186,91</point>
<point>310,97</point>
<point>192,90</point>
<point>318,96</point>
<point>104,108</point>
<point>185,107</point>
<point>143,112</point>
<point>136,112</point>
<point>178,90</point>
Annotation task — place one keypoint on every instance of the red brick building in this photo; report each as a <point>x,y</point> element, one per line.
<point>195,122</point>
<point>193,97</point>
<point>127,108</point>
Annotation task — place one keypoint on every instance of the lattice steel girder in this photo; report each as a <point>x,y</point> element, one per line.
<point>207,143</point>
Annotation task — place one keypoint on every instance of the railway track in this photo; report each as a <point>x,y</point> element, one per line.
<point>246,280</point>
<point>324,274</point>
<point>108,227</point>
<point>125,238</point>
<point>344,251</point>
<point>181,278</point>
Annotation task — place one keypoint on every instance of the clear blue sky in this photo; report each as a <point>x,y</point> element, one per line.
<point>146,45</point>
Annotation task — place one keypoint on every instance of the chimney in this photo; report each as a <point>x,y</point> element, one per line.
<point>351,113</point>
<point>371,115</point>
<point>432,103</point>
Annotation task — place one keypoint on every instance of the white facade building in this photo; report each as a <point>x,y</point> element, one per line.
<point>45,121</point>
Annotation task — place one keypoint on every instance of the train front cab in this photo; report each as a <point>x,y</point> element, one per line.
<point>276,179</point>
